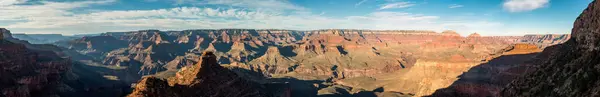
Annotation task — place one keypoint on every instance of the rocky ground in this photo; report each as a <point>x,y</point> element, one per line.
<point>570,69</point>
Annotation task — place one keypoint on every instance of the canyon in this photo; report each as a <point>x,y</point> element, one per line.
<point>291,63</point>
<point>333,62</point>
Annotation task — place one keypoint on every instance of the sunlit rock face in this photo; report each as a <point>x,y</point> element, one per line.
<point>569,69</point>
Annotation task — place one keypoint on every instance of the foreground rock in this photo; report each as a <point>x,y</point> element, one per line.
<point>30,73</point>
<point>205,79</point>
<point>42,70</point>
<point>570,69</point>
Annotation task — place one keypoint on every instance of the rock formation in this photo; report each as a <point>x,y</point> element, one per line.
<point>570,69</point>
<point>29,73</point>
<point>4,33</point>
<point>205,79</point>
<point>450,33</point>
<point>474,35</point>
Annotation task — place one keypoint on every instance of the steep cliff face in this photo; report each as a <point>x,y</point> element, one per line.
<point>30,73</point>
<point>205,79</point>
<point>571,69</point>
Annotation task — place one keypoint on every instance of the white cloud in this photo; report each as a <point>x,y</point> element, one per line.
<point>361,2</point>
<point>455,6</point>
<point>524,5</point>
<point>43,11</point>
<point>260,4</point>
<point>396,5</point>
<point>57,17</point>
<point>11,2</point>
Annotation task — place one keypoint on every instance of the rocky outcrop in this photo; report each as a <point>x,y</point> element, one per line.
<point>474,35</point>
<point>569,69</point>
<point>450,33</point>
<point>205,79</point>
<point>272,62</point>
<point>4,33</point>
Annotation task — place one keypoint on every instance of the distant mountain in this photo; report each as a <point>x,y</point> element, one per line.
<point>42,38</point>
<point>48,38</point>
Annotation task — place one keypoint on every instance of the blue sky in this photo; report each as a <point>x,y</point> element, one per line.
<point>487,17</point>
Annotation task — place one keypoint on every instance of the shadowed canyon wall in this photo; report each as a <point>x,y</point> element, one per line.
<point>570,69</point>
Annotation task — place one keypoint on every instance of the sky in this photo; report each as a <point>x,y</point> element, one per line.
<point>486,17</point>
